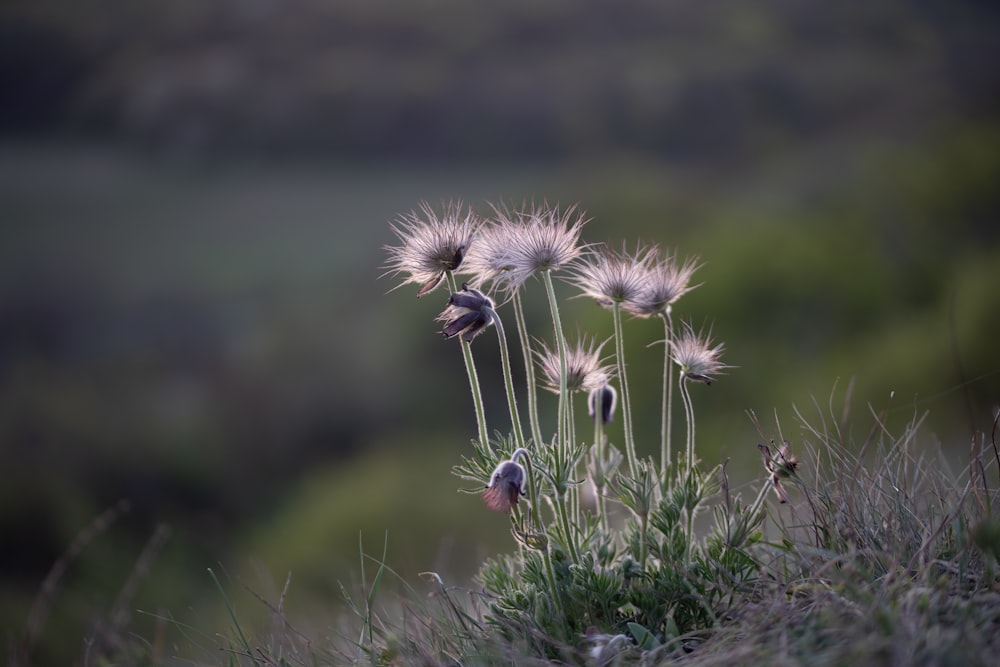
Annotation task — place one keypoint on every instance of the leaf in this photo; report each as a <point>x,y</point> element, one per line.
<point>646,640</point>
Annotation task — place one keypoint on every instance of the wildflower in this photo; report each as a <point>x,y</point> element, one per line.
<point>601,402</point>
<point>432,245</point>
<point>506,484</point>
<point>610,277</point>
<point>584,370</point>
<point>529,242</point>
<point>664,282</point>
<point>698,360</point>
<point>780,466</point>
<point>489,260</point>
<point>469,312</point>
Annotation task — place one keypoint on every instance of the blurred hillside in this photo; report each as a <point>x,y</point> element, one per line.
<point>703,82</point>
<point>194,198</point>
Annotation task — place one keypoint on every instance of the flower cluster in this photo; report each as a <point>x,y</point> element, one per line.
<point>497,253</point>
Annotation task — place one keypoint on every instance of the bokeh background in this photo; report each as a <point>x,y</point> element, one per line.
<point>195,196</point>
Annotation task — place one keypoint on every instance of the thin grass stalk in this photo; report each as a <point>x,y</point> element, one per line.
<point>626,401</point>
<point>666,431</point>
<point>470,369</point>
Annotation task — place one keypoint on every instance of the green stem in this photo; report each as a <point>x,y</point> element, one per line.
<point>602,515</point>
<point>689,471</point>
<point>470,369</point>
<point>564,425</point>
<point>536,517</point>
<point>689,418</point>
<point>666,431</point>
<point>626,402</point>
<point>508,381</point>
<point>561,346</point>
<point>529,369</point>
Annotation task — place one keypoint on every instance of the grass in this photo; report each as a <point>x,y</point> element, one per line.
<point>883,557</point>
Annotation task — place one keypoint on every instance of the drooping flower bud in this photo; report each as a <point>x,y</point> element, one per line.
<point>506,484</point>
<point>469,312</point>
<point>601,402</point>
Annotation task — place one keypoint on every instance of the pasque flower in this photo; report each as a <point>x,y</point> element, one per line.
<point>469,312</point>
<point>663,282</point>
<point>431,244</point>
<point>697,358</point>
<point>609,276</point>
<point>584,368</point>
<point>506,484</point>
<point>520,244</point>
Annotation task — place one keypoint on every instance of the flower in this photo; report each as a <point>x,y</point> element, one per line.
<point>584,371</point>
<point>523,243</point>
<point>469,312</point>
<point>601,402</point>
<point>780,466</point>
<point>696,357</point>
<point>610,277</point>
<point>506,484</point>
<point>432,245</point>
<point>664,282</point>
<point>489,260</point>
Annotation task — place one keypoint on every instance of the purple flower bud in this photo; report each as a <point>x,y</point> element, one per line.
<point>602,401</point>
<point>469,312</point>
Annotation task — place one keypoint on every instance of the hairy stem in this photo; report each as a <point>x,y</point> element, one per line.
<point>666,431</point>
<point>470,369</point>
<point>626,401</point>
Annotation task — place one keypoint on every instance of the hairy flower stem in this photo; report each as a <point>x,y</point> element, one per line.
<point>626,402</point>
<point>536,517</point>
<point>561,347</point>
<point>666,431</point>
<point>529,368</point>
<point>689,418</point>
<point>689,471</point>
<point>599,482</point>
<point>564,420</point>
<point>508,380</point>
<point>470,368</point>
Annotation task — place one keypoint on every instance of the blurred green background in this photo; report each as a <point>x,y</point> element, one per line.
<point>194,200</point>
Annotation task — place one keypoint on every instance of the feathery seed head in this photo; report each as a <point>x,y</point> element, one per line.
<point>697,358</point>
<point>609,276</point>
<point>489,260</point>
<point>431,244</point>
<point>584,368</point>
<point>664,282</point>
<point>532,240</point>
